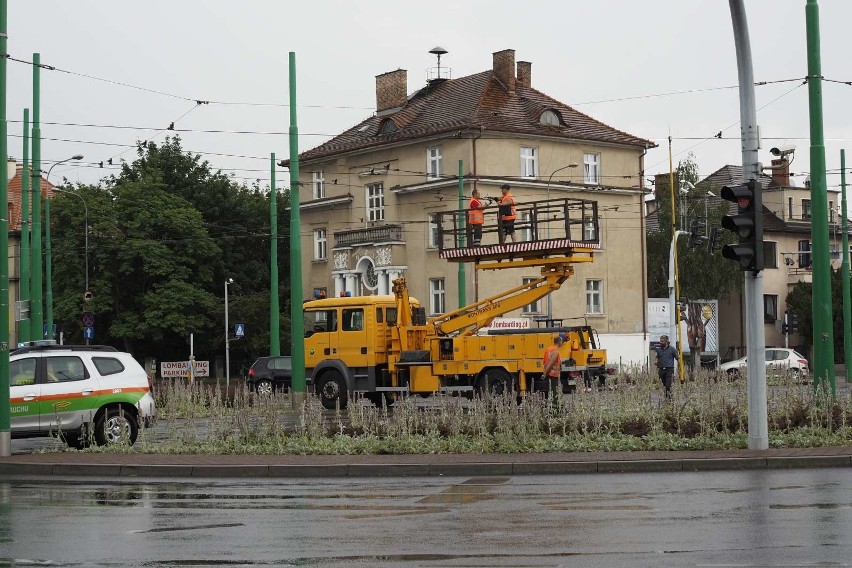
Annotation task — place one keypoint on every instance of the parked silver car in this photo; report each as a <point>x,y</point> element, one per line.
<point>778,359</point>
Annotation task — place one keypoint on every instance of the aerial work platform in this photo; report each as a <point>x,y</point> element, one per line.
<point>548,228</point>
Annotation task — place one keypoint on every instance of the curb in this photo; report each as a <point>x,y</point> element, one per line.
<point>474,469</point>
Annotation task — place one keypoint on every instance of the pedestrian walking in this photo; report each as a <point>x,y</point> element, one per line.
<point>666,357</point>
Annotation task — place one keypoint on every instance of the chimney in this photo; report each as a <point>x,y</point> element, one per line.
<point>391,90</point>
<point>504,68</point>
<point>525,73</point>
<point>781,172</point>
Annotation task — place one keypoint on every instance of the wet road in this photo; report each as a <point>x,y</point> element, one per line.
<point>749,518</point>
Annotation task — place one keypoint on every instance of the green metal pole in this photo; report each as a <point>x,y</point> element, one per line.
<point>5,410</point>
<point>36,296</point>
<point>24,332</point>
<point>823,332</point>
<point>48,263</point>
<point>462,228</point>
<point>297,321</point>
<point>274,310</point>
<point>847,301</point>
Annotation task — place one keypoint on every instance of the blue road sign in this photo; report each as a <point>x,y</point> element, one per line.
<point>44,332</point>
<point>88,333</point>
<point>239,329</point>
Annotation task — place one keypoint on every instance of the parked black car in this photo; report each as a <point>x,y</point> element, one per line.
<point>269,374</point>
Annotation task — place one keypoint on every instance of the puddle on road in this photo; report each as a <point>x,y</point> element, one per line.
<point>194,528</point>
<point>828,506</point>
<point>459,495</point>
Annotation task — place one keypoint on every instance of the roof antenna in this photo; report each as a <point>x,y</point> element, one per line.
<point>439,51</point>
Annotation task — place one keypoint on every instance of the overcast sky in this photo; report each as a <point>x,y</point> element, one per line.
<point>595,56</point>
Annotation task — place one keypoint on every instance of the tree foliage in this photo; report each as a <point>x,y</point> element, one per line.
<point>702,274</point>
<point>800,302</point>
<point>164,234</point>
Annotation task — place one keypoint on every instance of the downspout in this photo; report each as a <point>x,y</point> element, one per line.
<point>643,239</point>
<point>475,179</point>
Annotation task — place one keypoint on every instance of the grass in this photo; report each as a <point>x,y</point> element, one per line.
<point>706,412</point>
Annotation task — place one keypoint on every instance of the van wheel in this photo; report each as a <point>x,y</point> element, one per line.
<point>116,426</point>
<point>498,381</point>
<point>331,388</point>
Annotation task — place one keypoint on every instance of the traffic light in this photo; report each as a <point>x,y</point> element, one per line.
<point>697,228</point>
<point>747,224</point>
<point>794,322</point>
<point>715,240</point>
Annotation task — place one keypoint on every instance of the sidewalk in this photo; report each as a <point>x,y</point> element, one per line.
<point>77,464</point>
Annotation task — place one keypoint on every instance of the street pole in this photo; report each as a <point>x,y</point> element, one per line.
<point>847,308</point>
<point>48,253</point>
<point>24,329</point>
<point>274,309</point>
<point>227,340</point>
<point>758,426</point>
<point>462,229</point>
<point>37,283</point>
<point>823,333</point>
<point>297,322</point>
<point>673,268</point>
<point>5,409</point>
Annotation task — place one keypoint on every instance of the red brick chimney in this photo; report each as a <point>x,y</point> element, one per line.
<point>504,68</point>
<point>525,73</point>
<point>391,89</point>
<point>781,172</point>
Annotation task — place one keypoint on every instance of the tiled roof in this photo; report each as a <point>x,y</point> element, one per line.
<point>14,197</point>
<point>731,175</point>
<point>476,101</point>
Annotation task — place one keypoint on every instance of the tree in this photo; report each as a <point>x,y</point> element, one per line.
<point>800,303</point>
<point>702,274</point>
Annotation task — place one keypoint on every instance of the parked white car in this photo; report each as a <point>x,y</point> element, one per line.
<point>778,359</point>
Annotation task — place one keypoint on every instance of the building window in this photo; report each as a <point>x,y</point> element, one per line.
<point>592,169</point>
<point>319,185</point>
<point>806,209</point>
<point>770,254</point>
<point>590,232</point>
<point>804,254</point>
<point>436,296</point>
<point>320,244</point>
<point>790,208</point>
<point>594,297</point>
<point>550,118</point>
<point>770,308</point>
<point>433,238</point>
<point>433,162</point>
<point>529,167</point>
<point>375,202</point>
<point>535,307</point>
<point>388,127</point>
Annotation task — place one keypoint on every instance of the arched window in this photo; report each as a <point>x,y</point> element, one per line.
<point>550,118</point>
<point>388,127</point>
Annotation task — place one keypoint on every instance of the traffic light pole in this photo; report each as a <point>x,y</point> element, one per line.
<point>758,427</point>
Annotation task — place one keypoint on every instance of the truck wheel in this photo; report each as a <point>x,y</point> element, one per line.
<point>498,381</point>
<point>116,426</point>
<point>332,388</point>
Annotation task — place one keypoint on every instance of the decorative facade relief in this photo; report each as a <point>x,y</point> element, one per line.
<point>383,256</point>
<point>341,261</point>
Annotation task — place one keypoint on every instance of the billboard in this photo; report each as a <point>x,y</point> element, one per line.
<point>699,323</point>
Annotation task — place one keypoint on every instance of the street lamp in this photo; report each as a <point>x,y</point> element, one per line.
<point>547,229</point>
<point>48,263</point>
<point>227,340</point>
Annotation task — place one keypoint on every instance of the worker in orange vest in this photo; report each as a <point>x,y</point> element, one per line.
<point>553,366</point>
<point>507,214</point>
<point>475,219</point>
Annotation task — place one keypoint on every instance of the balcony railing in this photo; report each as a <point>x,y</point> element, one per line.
<point>369,235</point>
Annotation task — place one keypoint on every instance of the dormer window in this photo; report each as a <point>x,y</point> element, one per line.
<point>550,118</point>
<point>388,127</point>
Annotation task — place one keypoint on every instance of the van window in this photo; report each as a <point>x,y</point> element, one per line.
<point>107,365</point>
<point>319,321</point>
<point>22,372</point>
<point>353,319</point>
